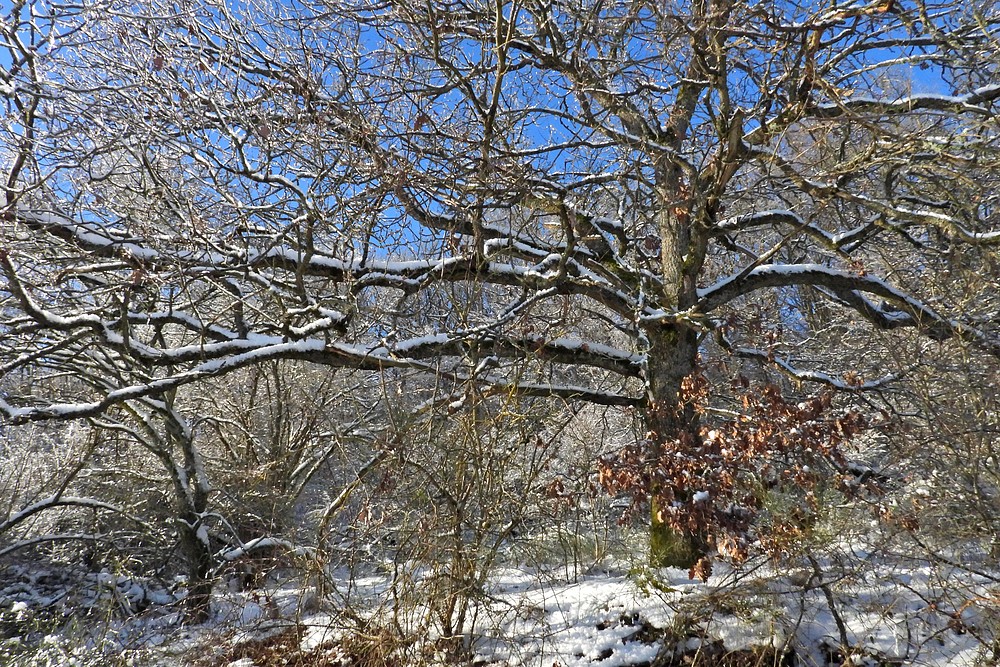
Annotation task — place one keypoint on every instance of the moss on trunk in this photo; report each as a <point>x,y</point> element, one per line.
<point>671,548</point>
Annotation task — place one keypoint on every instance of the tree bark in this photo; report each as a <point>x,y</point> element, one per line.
<point>670,417</point>
<point>673,343</point>
<point>198,556</point>
<point>192,491</point>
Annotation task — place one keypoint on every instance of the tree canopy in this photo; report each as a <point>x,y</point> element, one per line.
<point>581,200</point>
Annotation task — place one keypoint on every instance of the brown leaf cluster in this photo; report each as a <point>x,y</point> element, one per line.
<point>712,480</point>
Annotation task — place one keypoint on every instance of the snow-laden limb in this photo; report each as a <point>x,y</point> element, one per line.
<point>263,544</point>
<point>570,351</point>
<point>221,349</point>
<point>903,309</point>
<point>35,311</point>
<point>775,217</point>
<point>781,275</point>
<point>948,223</point>
<point>211,330</point>
<point>582,275</point>
<point>44,539</point>
<point>56,501</point>
<point>103,241</point>
<point>567,392</point>
<point>894,215</point>
<point>976,102</point>
<point>804,375</point>
<point>213,368</point>
<point>220,358</point>
<point>217,358</point>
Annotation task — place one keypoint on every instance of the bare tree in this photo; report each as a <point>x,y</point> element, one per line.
<point>572,200</point>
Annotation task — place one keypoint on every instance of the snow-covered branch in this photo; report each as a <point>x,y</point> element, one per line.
<point>56,501</point>
<point>783,217</point>
<point>976,102</point>
<point>259,544</point>
<point>44,539</point>
<point>787,367</point>
<point>899,310</point>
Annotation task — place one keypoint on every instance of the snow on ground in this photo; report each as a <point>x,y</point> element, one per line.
<point>909,617</point>
<point>893,610</point>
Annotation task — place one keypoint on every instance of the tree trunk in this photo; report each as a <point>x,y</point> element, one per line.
<point>192,489</point>
<point>670,417</point>
<point>673,342</point>
<point>198,556</point>
<point>669,547</point>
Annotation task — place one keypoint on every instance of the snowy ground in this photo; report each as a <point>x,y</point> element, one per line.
<point>891,611</point>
